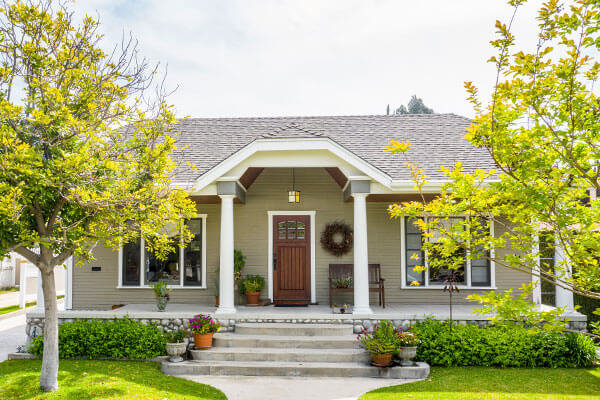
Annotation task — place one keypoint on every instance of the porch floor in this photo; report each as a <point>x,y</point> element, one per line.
<point>324,312</point>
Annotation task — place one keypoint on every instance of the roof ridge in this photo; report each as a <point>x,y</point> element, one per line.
<point>300,117</point>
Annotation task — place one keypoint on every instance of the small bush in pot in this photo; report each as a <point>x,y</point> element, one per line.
<point>343,283</point>
<point>407,347</point>
<point>176,344</point>
<point>252,286</point>
<point>162,294</point>
<point>381,343</point>
<point>203,327</point>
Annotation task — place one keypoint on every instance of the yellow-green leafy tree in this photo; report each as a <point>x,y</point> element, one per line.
<point>542,128</point>
<point>85,144</point>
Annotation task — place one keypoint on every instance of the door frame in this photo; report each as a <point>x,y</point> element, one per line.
<point>312,244</point>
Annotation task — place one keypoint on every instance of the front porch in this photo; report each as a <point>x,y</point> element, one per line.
<point>176,315</point>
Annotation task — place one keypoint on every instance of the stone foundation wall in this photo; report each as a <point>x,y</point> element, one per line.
<point>35,325</point>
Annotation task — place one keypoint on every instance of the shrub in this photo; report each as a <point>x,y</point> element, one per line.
<point>121,338</point>
<point>587,307</point>
<point>501,346</point>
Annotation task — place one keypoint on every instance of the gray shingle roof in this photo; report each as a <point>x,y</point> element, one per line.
<point>436,139</point>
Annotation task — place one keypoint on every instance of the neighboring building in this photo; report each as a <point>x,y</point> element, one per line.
<point>244,171</point>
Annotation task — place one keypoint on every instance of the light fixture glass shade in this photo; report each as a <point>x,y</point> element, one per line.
<point>294,196</point>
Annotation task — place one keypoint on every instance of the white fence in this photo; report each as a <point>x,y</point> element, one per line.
<point>8,272</point>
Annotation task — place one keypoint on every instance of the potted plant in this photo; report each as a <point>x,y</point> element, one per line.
<point>239,262</point>
<point>203,327</point>
<point>337,309</point>
<point>381,343</point>
<point>217,291</point>
<point>162,295</point>
<point>252,286</point>
<point>176,344</point>
<point>407,342</point>
<point>342,283</point>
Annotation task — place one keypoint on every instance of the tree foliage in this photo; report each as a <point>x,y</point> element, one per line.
<point>85,141</point>
<point>541,127</point>
<point>415,106</point>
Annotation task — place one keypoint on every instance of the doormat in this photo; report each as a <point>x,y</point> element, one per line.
<point>291,305</point>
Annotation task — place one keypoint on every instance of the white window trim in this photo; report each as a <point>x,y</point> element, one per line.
<point>426,286</point>
<point>120,285</point>
<point>313,285</point>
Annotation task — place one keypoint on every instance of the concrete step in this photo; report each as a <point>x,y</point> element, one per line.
<point>291,342</point>
<point>288,329</point>
<point>280,354</point>
<point>314,369</point>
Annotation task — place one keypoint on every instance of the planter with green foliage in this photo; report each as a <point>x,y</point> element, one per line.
<point>176,344</point>
<point>162,293</point>
<point>381,343</point>
<point>252,286</point>
<point>407,347</point>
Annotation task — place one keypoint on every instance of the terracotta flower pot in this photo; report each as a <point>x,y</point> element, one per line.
<point>252,298</point>
<point>216,301</point>
<point>203,341</point>
<point>382,360</point>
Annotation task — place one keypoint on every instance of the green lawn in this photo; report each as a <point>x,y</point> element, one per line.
<point>9,309</point>
<point>470,383</point>
<point>5,290</point>
<point>83,379</point>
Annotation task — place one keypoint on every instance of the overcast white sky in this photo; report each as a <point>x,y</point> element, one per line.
<point>314,57</point>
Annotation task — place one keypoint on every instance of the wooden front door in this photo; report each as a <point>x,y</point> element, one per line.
<point>291,259</point>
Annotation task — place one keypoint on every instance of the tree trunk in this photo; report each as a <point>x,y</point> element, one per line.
<point>49,375</point>
<point>451,310</point>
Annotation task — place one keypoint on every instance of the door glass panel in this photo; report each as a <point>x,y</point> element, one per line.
<point>300,230</point>
<point>281,230</point>
<point>291,226</point>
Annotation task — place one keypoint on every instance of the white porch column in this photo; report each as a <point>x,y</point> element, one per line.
<point>361,255</point>
<point>564,297</point>
<point>226,293</point>
<point>69,285</point>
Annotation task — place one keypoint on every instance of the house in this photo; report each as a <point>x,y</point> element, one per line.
<point>244,171</point>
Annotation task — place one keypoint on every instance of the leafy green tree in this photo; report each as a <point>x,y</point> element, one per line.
<point>415,106</point>
<point>541,127</point>
<point>85,140</point>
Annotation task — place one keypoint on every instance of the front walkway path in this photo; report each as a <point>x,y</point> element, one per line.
<point>9,299</point>
<point>293,388</point>
<point>12,334</point>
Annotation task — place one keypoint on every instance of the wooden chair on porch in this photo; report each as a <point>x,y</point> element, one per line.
<point>344,271</point>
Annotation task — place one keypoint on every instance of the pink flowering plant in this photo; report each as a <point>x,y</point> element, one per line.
<point>381,341</point>
<point>202,324</point>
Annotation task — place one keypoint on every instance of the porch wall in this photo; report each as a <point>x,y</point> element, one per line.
<point>319,192</point>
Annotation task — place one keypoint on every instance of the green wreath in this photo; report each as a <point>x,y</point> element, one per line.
<point>344,235</point>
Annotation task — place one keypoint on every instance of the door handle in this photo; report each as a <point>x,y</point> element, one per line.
<point>274,261</point>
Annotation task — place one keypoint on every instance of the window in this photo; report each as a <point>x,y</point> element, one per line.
<point>290,230</point>
<point>548,291</point>
<point>473,273</point>
<point>183,267</point>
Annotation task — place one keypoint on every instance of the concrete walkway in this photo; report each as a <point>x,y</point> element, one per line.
<point>9,299</point>
<point>293,388</point>
<point>12,334</point>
